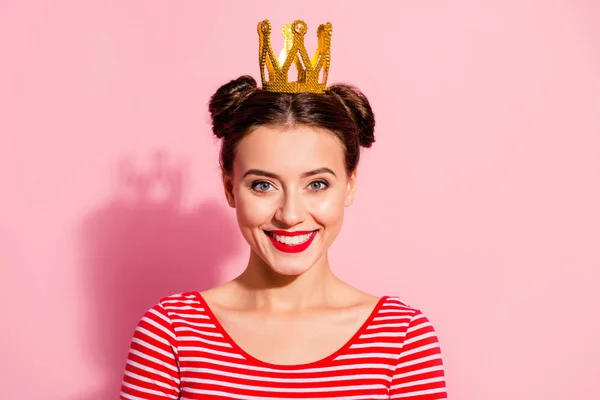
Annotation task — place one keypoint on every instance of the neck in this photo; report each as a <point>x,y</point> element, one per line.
<point>265,289</point>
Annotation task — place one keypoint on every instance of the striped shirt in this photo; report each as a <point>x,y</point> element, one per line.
<point>180,351</point>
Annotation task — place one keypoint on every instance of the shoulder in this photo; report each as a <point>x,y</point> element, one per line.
<point>176,304</point>
<point>156,323</point>
<point>394,304</point>
<point>407,327</point>
<point>395,310</point>
<point>179,298</point>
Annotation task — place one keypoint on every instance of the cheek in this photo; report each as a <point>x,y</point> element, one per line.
<point>253,211</point>
<point>328,210</point>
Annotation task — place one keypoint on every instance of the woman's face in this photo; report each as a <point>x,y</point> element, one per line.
<point>289,188</point>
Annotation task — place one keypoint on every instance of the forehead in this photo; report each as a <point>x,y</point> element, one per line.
<point>294,149</point>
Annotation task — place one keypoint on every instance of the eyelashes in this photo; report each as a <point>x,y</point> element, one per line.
<point>261,186</point>
<point>264,186</point>
<point>318,185</point>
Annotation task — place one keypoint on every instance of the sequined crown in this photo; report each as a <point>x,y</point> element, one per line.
<point>312,74</point>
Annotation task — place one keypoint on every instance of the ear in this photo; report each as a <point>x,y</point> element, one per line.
<point>228,188</point>
<point>351,189</point>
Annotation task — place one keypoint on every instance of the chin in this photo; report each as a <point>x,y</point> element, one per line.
<point>289,269</point>
<point>286,264</point>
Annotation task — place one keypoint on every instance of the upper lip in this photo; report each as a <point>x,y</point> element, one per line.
<point>288,233</point>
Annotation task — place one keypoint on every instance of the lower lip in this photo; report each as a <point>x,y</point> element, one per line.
<point>292,248</point>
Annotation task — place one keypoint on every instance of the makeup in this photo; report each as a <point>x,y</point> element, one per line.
<point>291,242</point>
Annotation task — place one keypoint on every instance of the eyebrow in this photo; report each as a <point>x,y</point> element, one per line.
<point>271,175</point>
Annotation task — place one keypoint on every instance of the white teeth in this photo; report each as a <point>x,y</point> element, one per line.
<point>292,240</point>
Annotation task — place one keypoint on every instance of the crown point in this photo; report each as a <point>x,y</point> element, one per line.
<point>300,27</point>
<point>326,29</point>
<point>265,27</point>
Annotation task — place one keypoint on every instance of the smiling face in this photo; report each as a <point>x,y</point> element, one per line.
<point>289,188</point>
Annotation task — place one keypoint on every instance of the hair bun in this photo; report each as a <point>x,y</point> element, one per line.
<point>227,99</point>
<point>359,109</point>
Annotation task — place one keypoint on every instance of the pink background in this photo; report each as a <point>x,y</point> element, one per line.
<point>479,203</point>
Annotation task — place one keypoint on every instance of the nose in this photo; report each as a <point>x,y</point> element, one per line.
<point>291,211</point>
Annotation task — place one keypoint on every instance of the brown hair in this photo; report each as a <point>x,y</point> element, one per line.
<point>240,106</point>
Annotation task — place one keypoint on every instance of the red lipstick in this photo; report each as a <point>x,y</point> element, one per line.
<point>291,248</point>
<point>288,233</point>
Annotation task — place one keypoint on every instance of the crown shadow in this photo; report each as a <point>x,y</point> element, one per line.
<point>136,250</point>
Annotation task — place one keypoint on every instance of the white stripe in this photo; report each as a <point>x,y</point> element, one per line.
<point>366,355</point>
<point>153,335</point>
<point>197,324</point>
<point>263,379</point>
<point>398,312</point>
<point>283,390</point>
<point>390,345</point>
<point>187,307</point>
<point>419,326</point>
<point>419,382</point>
<point>418,361</point>
<point>382,334</point>
<point>130,397</point>
<point>159,326</point>
<point>211,351</point>
<point>419,349</point>
<point>418,372</point>
<point>204,333</point>
<point>161,315</point>
<point>389,317</point>
<point>401,325</point>
<point>246,368</point>
<point>186,315</point>
<point>154,371</point>
<point>246,397</point>
<point>188,301</point>
<point>152,381</point>
<point>150,391</point>
<point>202,340</point>
<point>420,393</point>
<point>153,347</point>
<point>153,359</point>
<point>395,302</point>
<point>424,336</point>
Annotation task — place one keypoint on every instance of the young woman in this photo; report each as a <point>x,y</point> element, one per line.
<point>286,327</point>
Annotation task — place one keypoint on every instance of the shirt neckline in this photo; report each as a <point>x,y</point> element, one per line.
<point>316,363</point>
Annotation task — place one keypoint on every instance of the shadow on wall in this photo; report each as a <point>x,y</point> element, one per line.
<point>140,247</point>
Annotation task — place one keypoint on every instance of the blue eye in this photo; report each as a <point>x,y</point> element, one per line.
<point>318,186</point>
<point>261,186</point>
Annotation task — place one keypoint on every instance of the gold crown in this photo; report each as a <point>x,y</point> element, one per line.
<point>275,78</point>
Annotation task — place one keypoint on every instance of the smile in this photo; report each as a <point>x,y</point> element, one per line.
<point>291,242</point>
